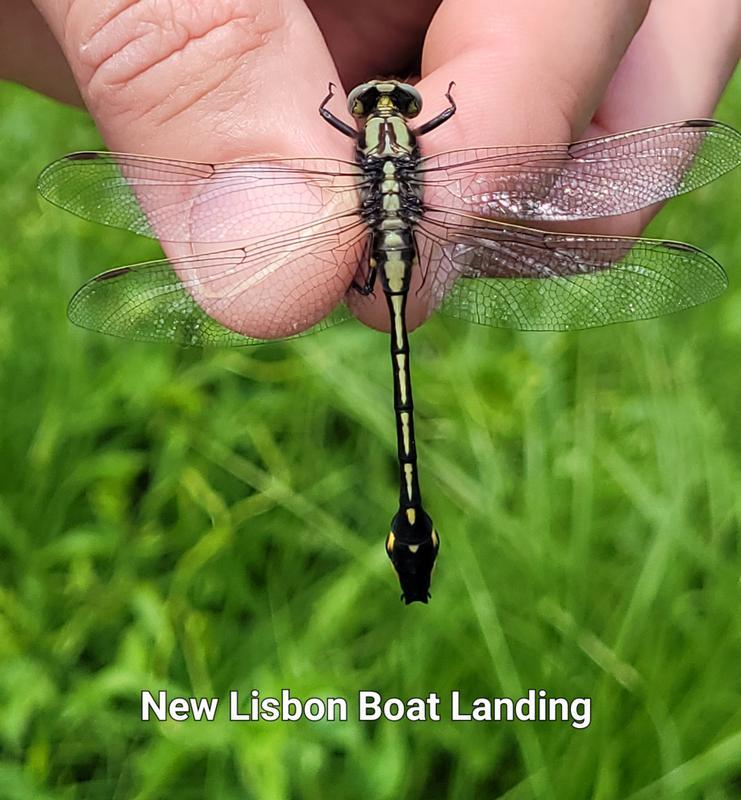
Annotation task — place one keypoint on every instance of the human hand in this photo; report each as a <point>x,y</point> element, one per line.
<point>233,79</point>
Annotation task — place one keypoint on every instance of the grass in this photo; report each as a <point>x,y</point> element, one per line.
<point>201,522</point>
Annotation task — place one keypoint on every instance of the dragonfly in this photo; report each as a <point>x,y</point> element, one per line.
<point>281,247</point>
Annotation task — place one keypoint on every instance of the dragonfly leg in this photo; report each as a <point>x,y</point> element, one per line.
<point>426,267</point>
<point>366,288</point>
<point>443,116</point>
<point>334,121</point>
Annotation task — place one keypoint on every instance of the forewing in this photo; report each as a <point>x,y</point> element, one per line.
<point>594,178</point>
<point>216,298</point>
<point>182,201</point>
<point>514,277</point>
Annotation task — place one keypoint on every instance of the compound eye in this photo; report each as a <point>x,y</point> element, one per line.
<point>355,100</point>
<point>411,102</point>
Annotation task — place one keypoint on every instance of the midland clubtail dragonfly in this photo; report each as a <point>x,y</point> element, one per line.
<point>311,239</point>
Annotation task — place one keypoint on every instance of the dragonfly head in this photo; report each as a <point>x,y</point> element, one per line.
<point>413,562</point>
<point>393,96</point>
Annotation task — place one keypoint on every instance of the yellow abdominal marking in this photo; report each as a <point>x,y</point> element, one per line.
<point>413,548</point>
<point>405,431</point>
<point>408,472</point>
<point>390,198</point>
<point>401,365</point>
<point>396,302</point>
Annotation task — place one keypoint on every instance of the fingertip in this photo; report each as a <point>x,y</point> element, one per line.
<point>664,76</point>
<point>525,72</point>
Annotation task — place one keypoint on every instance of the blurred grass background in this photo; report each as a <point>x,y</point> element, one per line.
<point>201,522</point>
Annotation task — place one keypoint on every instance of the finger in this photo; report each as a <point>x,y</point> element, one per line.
<point>30,55</point>
<point>216,81</point>
<point>676,66</point>
<point>524,72</point>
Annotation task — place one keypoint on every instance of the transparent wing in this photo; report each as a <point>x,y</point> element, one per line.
<point>215,298</point>
<point>182,201</point>
<point>514,277</point>
<point>595,178</point>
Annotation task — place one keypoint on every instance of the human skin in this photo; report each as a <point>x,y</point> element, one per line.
<point>221,80</point>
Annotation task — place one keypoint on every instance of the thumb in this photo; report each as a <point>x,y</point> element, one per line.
<point>214,81</point>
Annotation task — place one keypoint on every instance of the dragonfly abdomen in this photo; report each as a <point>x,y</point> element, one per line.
<point>394,256</point>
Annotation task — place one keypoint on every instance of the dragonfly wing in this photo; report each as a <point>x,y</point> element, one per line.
<point>595,178</point>
<point>514,277</point>
<point>222,298</point>
<point>182,201</point>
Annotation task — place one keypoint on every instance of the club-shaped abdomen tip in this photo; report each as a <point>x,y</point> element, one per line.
<point>412,546</point>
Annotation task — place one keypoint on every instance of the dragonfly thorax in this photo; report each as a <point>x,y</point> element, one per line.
<point>384,108</point>
<point>385,137</point>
